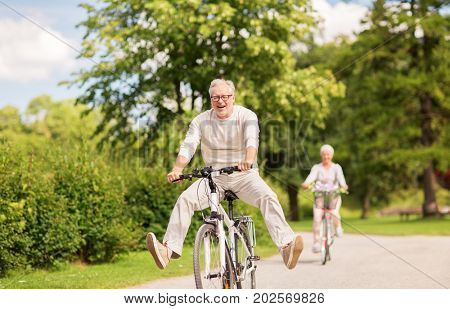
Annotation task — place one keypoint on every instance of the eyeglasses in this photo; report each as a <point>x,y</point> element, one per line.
<point>216,98</point>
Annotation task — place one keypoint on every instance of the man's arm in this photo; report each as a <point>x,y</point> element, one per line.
<point>187,150</point>
<point>250,158</point>
<point>251,137</point>
<point>177,169</point>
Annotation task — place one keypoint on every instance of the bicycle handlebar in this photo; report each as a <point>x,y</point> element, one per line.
<point>338,190</point>
<point>206,172</point>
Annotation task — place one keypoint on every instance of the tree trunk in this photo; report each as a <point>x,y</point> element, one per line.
<point>366,205</point>
<point>193,102</point>
<point>293,202</point>
<point>179,97</point>
<point>205,100</point>
<point>429,207</point>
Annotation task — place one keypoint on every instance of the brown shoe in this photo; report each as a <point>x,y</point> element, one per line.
<point>292,251</point>
<point>160,253</point>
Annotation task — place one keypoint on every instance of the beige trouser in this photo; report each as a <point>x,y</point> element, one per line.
<point>318,214</point>
<point>248,186</point>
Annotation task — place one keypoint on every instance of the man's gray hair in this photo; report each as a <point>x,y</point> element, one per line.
<point>327,147</point>
<point>217,82</point>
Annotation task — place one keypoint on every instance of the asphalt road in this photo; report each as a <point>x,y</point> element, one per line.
<point>358,261</point>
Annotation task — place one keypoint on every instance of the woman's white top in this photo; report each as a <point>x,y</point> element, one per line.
<point>326,179</point>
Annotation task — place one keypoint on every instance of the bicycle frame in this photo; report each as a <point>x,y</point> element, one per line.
<point>328,216</point>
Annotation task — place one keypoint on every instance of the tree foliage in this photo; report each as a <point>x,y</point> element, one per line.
<point>155,59</point>
<point>392,126</point>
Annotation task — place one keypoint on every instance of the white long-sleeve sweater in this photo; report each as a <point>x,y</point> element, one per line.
<point>223,142</point>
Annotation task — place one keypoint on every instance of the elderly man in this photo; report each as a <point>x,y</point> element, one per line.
<point>229,136</point>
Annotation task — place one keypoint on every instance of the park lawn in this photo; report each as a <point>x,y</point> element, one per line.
<point>387,226</point>
<point>129,270</point>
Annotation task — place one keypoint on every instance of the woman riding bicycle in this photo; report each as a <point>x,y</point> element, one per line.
<point>326,176</point>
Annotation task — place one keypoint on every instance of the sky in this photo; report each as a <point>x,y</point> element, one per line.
<point>33,62</point>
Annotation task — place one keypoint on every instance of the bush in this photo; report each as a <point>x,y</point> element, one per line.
<point>36,228</point>
<point>50,225</point>
<point>14,242</point>
<point>58,206</point>
<point>95,196</point>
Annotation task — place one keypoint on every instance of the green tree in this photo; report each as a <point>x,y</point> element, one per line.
<point>295,107</point>
<point>155,59</point>
<point>10,123</point>
<point>10,119</point>
<point>395,117</point>
<point>357,126</point>
<point>408,81</point>
<point>391,128</point>
<point>60,120</point>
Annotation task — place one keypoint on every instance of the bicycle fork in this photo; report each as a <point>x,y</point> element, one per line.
<point>221,232</point>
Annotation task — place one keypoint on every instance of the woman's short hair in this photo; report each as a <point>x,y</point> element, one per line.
<point>217,82</point>
<point>325,148</point>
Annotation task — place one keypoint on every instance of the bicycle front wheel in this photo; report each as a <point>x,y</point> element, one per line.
<point>245,270</point>
<point>207,269</point>
<point>324,247</point>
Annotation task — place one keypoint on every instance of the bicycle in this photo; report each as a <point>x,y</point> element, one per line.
<point>327,201</point>
<point>221,261</point>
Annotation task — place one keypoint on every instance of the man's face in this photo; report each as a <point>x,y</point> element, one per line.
<point>222,100</point>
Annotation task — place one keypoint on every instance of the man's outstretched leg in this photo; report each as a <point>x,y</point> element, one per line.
<point>160,253</point>
<point>252,189</point>
<point>193,198</point>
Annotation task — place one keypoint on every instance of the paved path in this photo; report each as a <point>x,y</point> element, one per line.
<point>357,262</point>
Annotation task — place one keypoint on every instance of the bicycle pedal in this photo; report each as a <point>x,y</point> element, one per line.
<point>254,258</point>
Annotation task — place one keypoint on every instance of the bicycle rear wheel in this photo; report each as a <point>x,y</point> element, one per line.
<point>243,260</point>
<point>207,271</point>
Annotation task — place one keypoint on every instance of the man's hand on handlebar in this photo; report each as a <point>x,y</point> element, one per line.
<point>174,174</point>
<point>245,165</point>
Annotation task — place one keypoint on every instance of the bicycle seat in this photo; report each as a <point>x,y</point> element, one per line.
<point>230,196</point>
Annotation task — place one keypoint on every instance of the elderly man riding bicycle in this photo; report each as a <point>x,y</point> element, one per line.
<point>229,136</point>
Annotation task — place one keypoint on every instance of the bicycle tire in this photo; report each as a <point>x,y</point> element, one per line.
<point>330,235</point>
<point>201,281</point>
<point>249,283</point>
<point>324,250</point>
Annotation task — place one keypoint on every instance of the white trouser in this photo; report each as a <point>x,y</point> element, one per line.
<point>248,186</point>
<point>318,214</point>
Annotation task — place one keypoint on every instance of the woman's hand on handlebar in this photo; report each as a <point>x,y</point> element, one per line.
<point>343,189</point>
<point>307,185</point>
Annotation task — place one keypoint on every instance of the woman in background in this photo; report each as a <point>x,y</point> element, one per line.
<point>326,176</point>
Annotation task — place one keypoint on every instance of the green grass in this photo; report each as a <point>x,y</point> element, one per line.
<point>129,270</point>
<point>387,226</point>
